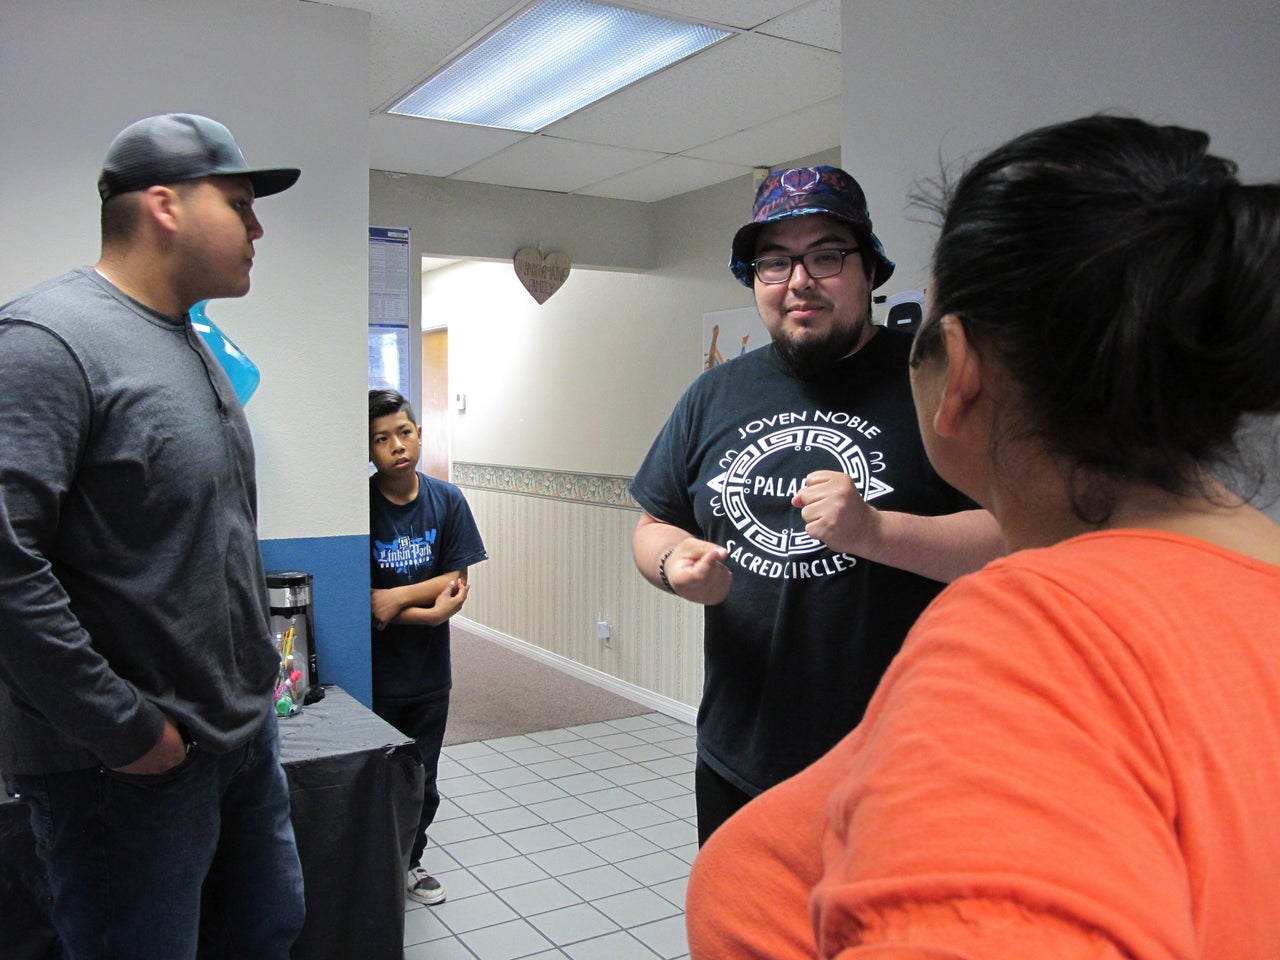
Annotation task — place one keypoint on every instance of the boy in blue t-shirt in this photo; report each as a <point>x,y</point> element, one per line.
<point>422,539</point>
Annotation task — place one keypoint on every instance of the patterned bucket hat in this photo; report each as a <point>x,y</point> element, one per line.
<point>798,193</point>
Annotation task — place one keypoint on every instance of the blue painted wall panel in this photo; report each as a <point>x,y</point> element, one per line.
<point>339,567</point>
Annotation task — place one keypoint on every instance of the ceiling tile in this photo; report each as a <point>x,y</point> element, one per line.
<point>550,163</point>
<point>742,14</point>
<point>665,178</point>
<point>796,134</point>
<point>817,24</point>
<point>431,148</point>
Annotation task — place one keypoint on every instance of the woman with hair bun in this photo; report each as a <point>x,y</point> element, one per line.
<point>1077,751</point>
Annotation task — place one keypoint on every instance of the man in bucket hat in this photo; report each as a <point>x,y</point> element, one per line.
<point>137,667</point>
<point>789,493</point>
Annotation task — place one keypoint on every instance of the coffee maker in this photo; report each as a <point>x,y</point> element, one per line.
<point>294,632</point>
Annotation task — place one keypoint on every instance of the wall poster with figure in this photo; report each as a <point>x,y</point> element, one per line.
<point>730,333</point>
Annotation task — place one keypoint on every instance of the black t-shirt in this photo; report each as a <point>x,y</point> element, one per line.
<point>794,654</point>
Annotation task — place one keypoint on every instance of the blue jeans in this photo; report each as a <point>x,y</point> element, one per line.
<point>199,861</point>
<point>424,720</point>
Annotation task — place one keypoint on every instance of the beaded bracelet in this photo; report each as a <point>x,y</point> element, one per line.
<point>662,570</point>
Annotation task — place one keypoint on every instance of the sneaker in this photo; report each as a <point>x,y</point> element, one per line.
<point>424,888</point>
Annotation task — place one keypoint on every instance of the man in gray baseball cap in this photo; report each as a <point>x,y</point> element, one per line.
<point>137,668</point>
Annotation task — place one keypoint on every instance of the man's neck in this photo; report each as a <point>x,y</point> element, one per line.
<point>135,283</point>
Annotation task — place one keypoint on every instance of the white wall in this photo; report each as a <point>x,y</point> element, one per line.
<point>291,81</point>
<point>551,386</point>
<point>923,78</point>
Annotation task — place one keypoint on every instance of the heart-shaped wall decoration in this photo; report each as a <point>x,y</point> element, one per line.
<point>541,276</point>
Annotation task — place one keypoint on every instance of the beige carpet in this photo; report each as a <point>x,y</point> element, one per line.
<point>498,692</point>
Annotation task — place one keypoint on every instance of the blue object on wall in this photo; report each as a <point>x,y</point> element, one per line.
<point>340,597</point>
<point>242,371</point>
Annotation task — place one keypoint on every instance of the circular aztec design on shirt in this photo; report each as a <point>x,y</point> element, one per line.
<point>735,484</point>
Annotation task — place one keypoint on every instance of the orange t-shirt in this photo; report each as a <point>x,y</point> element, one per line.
<point>1076,754</point>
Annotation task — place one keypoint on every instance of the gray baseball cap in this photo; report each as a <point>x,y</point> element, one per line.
<point>175,147</point>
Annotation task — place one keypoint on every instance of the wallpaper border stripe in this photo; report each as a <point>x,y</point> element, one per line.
<point>599,489</point>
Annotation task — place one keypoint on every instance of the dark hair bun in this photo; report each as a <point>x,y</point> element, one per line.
<point>1129,283</point>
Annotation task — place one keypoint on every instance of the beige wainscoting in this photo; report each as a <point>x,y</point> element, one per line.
<point>559,561</point>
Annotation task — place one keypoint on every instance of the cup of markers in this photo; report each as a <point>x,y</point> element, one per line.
<point>288,693</point>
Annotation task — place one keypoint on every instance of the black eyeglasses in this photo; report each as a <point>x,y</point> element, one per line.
<point>817,264</point>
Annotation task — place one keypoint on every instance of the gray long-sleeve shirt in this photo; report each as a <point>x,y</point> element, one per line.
<point>131,580</point>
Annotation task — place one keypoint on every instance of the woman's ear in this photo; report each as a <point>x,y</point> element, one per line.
<point>961,378</point>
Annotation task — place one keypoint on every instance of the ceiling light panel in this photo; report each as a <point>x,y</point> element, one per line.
<point>554,58</point>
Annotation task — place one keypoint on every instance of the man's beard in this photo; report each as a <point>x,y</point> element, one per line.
<point>808,358</point>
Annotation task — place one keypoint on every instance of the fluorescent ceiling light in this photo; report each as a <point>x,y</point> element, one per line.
<point>554,58</point>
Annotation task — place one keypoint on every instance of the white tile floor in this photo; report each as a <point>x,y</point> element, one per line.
<point>571,843</point>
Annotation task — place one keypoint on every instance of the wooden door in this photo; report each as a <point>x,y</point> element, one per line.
<point>434,412</point>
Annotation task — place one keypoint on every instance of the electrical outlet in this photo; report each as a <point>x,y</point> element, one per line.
<point>604,632</point>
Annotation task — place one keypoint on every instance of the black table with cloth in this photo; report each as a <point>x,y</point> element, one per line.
<point>355,785</point>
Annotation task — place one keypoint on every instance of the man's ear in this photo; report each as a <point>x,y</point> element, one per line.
<point>163,206</point>
<point>961,379</point>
